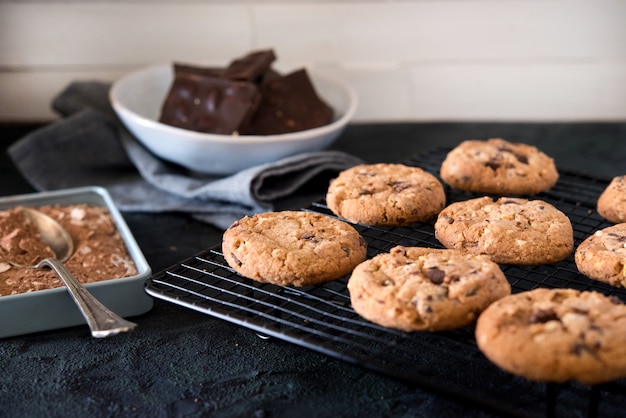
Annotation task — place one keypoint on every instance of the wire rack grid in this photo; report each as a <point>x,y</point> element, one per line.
<point>448,363</point>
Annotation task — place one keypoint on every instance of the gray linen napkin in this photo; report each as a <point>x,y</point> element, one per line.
<point>90,146</point>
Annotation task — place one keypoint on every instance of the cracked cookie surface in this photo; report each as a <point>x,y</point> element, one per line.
<point>612,202</point>
<point>425,289</point>
<point>292,248</point>
<point>385,195</point>
<point>509,230</point>
<point>602,256</point>
<point>556,335</point>
<point>496,166</point>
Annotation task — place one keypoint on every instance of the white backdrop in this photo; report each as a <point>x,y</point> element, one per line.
<point>419,60</point>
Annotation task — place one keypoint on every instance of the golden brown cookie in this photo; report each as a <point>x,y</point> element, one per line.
<point>602,256</point>
<point>510,230</point>
<point>498,167</point>
<point>385,195</point>
<point>292,248</point>
<point>556,335</point>
<point>612,202</point>
<point>425,289</point>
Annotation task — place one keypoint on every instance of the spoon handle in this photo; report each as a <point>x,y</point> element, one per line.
<point>101,320</point>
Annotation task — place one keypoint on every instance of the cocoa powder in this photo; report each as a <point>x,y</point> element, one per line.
<point>99,250</point>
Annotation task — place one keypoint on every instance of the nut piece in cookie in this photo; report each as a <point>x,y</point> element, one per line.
<point>425,289</point>
<point>602,256</point>
<point>509,230</point>
<point>556,335</point>
<point>612,202</point>
<point>385,195</point>
<point>292,248</point>
<point>498,167</point>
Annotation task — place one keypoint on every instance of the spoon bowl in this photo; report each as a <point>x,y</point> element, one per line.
<point>101,320</point>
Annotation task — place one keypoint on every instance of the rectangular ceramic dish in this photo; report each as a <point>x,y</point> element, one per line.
<point>50,309</point>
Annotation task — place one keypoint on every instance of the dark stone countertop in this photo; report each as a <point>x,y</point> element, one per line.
<point>180,362</point>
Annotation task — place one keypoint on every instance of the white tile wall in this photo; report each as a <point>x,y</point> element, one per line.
<point>419,60</point>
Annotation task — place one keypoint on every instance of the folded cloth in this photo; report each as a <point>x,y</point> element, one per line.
<point>89,146</point>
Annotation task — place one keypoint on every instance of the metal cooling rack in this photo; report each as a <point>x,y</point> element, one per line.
<point>448,363</point>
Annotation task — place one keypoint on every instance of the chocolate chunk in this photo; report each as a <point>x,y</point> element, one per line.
<point>435,275</point>
<point>246,98</point>
<point>617,237</point>
<point>250,67</point>
<point>542,316</point>
<point>521,158</point>
<point>237,261</point>
<point>209,104</point>
<point>310,237</point>
<point>200,71</point>
<point>289,104</point>
<point>398,186</point>
<point>494,165</point>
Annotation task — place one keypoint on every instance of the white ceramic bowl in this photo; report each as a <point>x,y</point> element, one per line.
<point>137,99</point>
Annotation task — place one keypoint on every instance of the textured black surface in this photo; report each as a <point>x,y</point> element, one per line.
<point>180,362</point>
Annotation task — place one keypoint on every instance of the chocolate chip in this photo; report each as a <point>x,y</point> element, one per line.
<point>398,186</point>
<point>346,250</point>
<point>617,237</point>
<point>521,158</point>
<point>542,316</point>
<point>579,348</point>
<point>235,259</point>
<point>510,202</point>
<point>435,275</point>
<point>308,236</point>
<point>365,192</point>
<point>472,292</point>
<point>400,251</point>
<point>494,165</point>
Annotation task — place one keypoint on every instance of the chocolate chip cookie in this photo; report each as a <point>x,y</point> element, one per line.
<point>498,167</point>
<point>292,248</point>
<point>612,202</point>
<point>556,335</point>
<point>385,195</point>
<point>602,256</point>
<point>425,289</point>
<point>510,230</point>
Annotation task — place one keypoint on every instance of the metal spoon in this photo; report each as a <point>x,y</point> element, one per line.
<point>101,320</point>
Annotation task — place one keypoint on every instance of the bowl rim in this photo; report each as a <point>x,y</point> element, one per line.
<point>121,108</point>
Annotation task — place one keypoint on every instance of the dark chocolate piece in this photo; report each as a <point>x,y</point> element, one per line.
<point>247,98</point>
<point>209,104</point>
<point>201,71</point>
<point>289,104</point>
<point>250,67</point>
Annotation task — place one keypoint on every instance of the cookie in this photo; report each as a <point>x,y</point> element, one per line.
<point>556,335</point>
<point>385,195</point>
<point>509,230</point>
<point>425,289</point>
<point>602,256</point>
<point>612,202</point>
<point>498,167</point>
<point>292,248</point>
